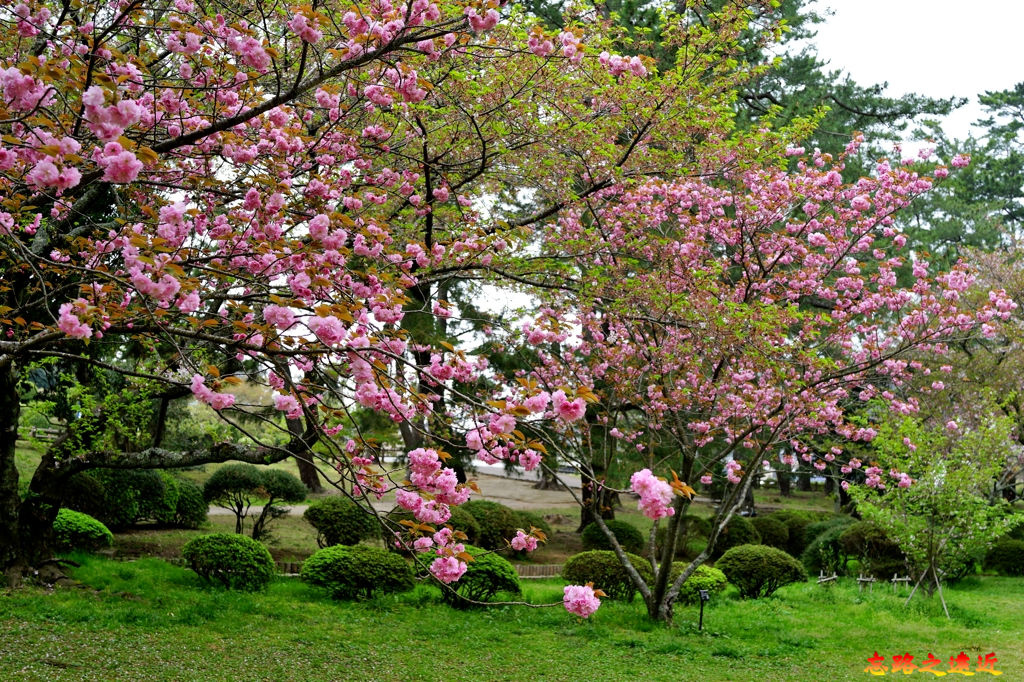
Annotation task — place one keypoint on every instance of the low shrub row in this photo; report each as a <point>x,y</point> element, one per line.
<point>122,498</point>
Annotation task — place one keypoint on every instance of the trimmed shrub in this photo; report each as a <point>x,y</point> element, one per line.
<point>631,539</point>
<point>526,519</point>
<point>1006,557</point>
<point>235,486</point>
<point>878,555</point>
<point>75,530</point>
<point>83,493</point>
<point>340,521</point>
<point>232,482</point>
<point>350,572</point>
<point>485,576</point>
<point>739,531</point>
<point>773,532</point>
<point>466,522</point>
<point>692,549</point>
<point>814,530</point>
<point>703,578</point>
<point>497,523</point>
<point>825,553</point>
<point>796,524</point>
<point>158,497</point>
<point>191,510</point>
<point>759,570</point>
<point>235,561</point>
<point>120,497</point>
<point>604,570</point>
<point>123,498</point>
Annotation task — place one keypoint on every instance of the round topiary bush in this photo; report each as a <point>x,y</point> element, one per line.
<point>773,532</point>
<point>158,499</point>
<point>340,521</point>
<point>703,578</point>
<point>604,570</point>
<point>796,523</point>
<point>192,509</point>
<point>83,493</point>
<point>814,530</point>
<point>825,553</point>
<point>878,555</point>
<point>759,570</point>
<point>739,531</point>
<point>485,576</point>
<point>235,561</point>
<point>497,523</point>
<point>349,572</point>
<point>631,539</point>
<point>1006,557</point>
<point>75,530</point>
<point>136,495</point>
<point>466,522</point>
<point>528,519</point>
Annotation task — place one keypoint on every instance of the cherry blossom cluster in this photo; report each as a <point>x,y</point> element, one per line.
<point>804,236</point>
<point>655,494</point>
<point>580,600</point>
<point>218,401</point>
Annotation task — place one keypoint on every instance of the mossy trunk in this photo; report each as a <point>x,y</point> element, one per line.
<point>302,453</point>
<point>26,526</point>
<point>10,501</point>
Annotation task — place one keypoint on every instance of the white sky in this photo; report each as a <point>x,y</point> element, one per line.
<point>938,48</point>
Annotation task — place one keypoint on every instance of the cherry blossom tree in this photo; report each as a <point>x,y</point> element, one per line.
<point>199,194</point>
<point>731,317</point>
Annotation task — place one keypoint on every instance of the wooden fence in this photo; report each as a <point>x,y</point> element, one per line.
<point>539,570</point>
<point>40,433</point>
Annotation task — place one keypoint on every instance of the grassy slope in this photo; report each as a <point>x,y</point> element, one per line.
<point>150,620</point>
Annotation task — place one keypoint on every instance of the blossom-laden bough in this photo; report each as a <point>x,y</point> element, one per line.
<point>196,195</point>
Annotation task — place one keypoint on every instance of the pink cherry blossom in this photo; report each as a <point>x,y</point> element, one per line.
<point>655,494</point>
<point>447,569</point>
<point>120,165</point>
<point>288,404</point>
<point>565,409</point>
<point>580,600</point>
<point>69,322</point>
<point>279,316</point>
<point>328,329</point>
<point>304,28</point>
<point>523,542</point>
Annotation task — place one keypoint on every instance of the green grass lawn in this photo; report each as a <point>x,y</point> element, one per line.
<point>148,620</point>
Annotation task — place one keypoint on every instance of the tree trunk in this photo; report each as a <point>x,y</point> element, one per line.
<point>658,607</point>
<point>785,478</point>
<point>303,456</point>
<point>600,501</point>
<point>803,480</point>
<point>10,406</point>
<point>843,499</point>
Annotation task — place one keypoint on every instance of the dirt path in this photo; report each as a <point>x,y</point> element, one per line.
<point>510,492</point>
